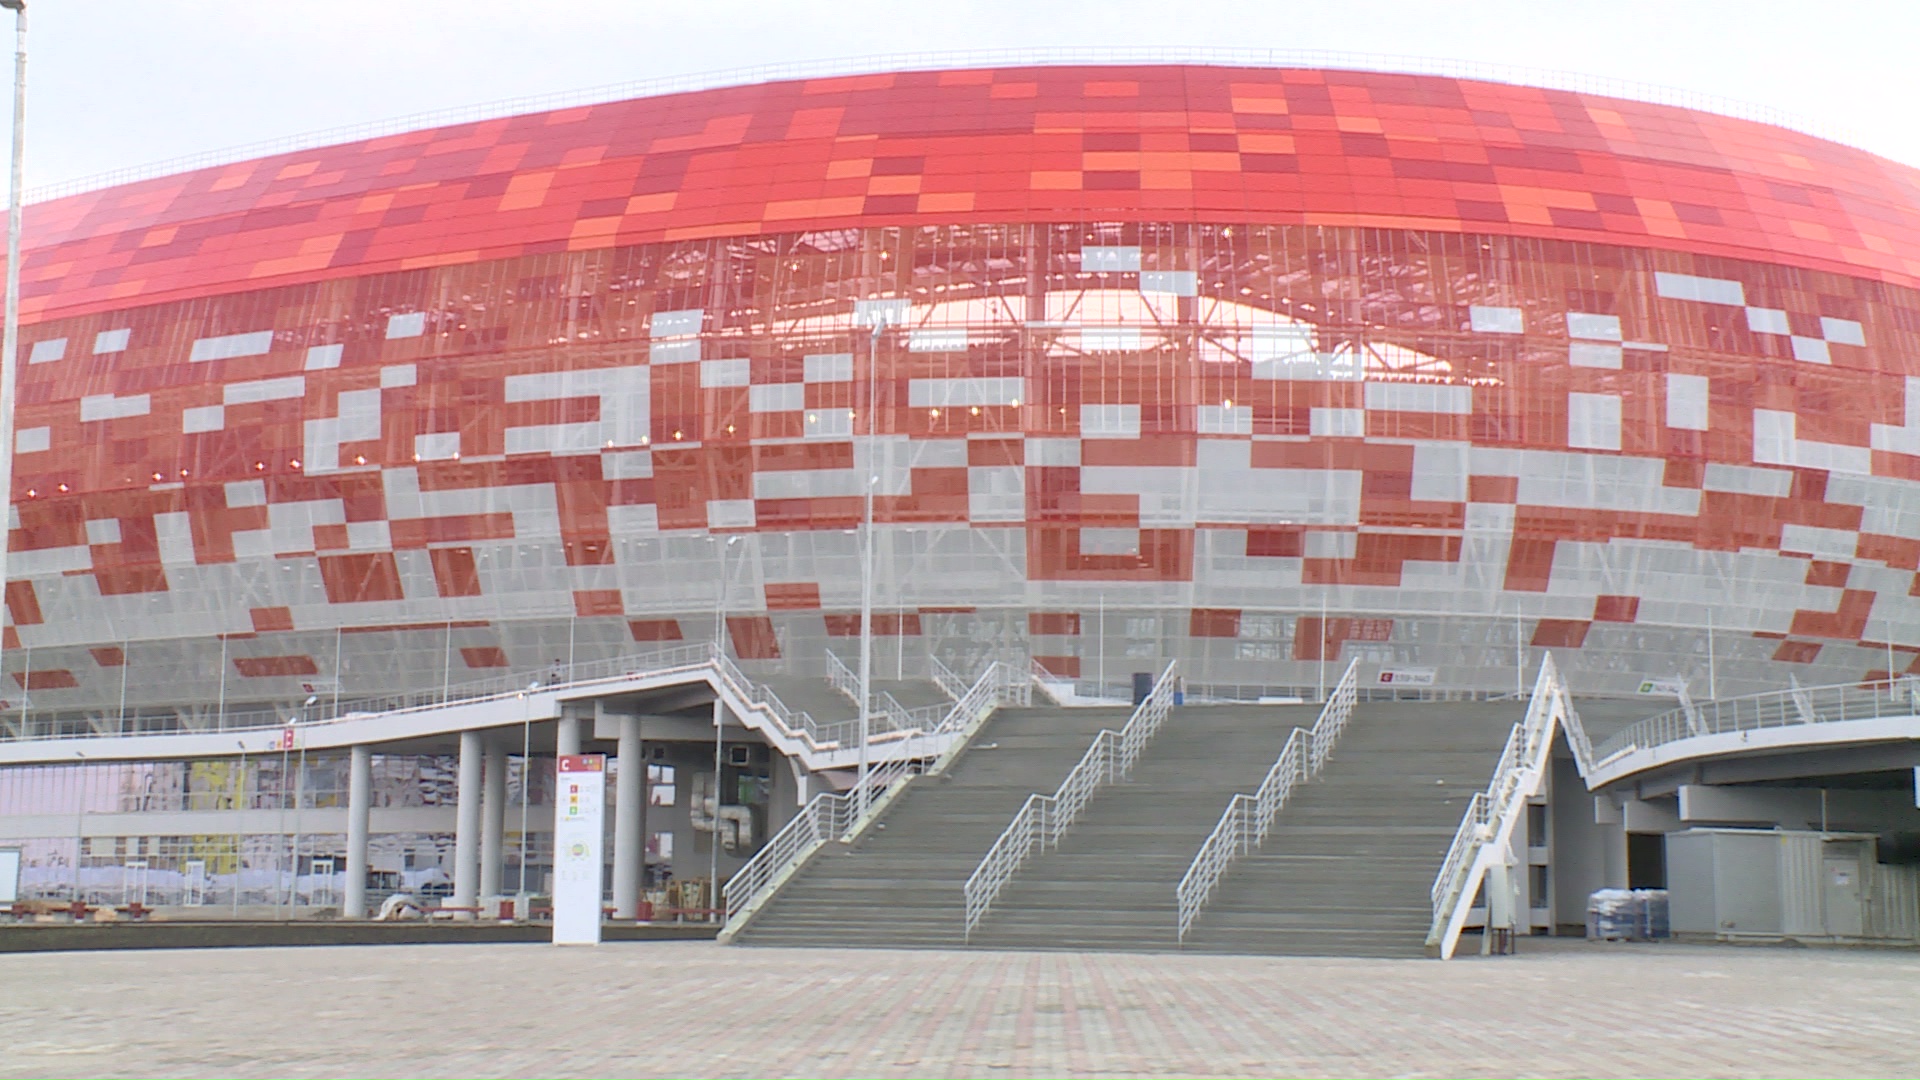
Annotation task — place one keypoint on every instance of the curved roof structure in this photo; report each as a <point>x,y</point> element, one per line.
<point>1264,368</point>
<point>1040,144</point>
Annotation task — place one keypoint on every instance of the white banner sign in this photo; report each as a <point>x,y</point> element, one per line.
<point>578,827</point>
<point>9,875</point>
<point>1406,676</point>
<point>1663,687</point>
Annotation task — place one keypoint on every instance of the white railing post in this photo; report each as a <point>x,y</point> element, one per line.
<point>1043,819</point>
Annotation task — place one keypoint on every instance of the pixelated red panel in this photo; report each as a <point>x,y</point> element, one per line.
<point>1065,623</point>
<point>793,596</point>
<point>1797,652</point>
<point>588,603</point>
<point>484,656</point>
<point>1214,622</point>
<point>1560,633</point>
<point>754,637</point>
<point>1315,638</point>
<point>654,629</point>
<point>260,667</point>
<point>1016,145</point>
<point>884,625</point>
<point>1065,667</point>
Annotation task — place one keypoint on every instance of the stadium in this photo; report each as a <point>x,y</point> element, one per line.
<point>1243,384</point>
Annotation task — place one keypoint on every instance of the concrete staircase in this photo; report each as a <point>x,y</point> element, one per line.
<point>1109,885</point>
<point>900,886</point>
<point>913,693</point>
<point>1347,867</point>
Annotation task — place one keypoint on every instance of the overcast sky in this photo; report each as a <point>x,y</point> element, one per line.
<point>122,83</point>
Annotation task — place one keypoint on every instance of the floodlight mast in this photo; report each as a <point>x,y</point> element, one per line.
<point>10,340</point>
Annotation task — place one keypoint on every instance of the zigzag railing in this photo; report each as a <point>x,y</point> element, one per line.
<point>1244,824</point>
<point>1045,818</point>
<point>836,815</point>
<point>885,713</point>
<point>1487,826</point>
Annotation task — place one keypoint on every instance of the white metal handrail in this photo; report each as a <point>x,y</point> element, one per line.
<point>826,817</point>
<point>943,676</point>
<point>704,657</point>
<point>1044,818</point>
<point>842,678</point>
<point>833,815</point>
<point>1245,823</point>
<point>1487,825</point>
<point>885,713</point>
<point>1792,707</point>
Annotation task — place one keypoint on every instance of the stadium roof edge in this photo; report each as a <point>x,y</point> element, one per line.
<point>936,60</point>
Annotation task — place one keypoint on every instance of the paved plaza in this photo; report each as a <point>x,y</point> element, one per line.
<point>698,1009</point>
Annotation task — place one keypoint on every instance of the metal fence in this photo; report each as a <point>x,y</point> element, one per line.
<point>1773,709</point>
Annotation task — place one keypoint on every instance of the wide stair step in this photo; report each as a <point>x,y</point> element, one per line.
<point>1344,871</point>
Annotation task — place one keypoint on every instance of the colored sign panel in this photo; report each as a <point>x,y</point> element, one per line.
<point>578,831</point>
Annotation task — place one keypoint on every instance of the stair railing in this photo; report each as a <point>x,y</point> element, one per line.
<point>826,817</point>
<point>792,722</point>
<point>950,684</point>
<point>831,816</point>
<point>1247,819</point>
<point>1486,827</point>
<point>842,678</point>
<point>1043,819</point>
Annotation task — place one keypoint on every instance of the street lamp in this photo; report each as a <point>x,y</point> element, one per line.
<point>719,729</point>
<point>10,341</point>
<point>866,559</point>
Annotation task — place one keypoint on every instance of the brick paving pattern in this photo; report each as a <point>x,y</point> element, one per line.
<point>696,1009</point>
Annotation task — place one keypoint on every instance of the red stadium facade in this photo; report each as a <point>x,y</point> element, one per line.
<point>1261,369</point>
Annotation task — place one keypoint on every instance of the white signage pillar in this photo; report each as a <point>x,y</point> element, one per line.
<point>579,810</point>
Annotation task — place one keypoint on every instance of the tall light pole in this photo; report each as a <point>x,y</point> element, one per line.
<point>10,341</point>
<point>719,729</point>
<point>866,561</point>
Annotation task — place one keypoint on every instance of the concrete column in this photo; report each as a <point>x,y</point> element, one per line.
<point>629,796</point>
<point>493,818</point>
<point>359,806</point>
<point>566,741</point>
<point>466,835</point>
